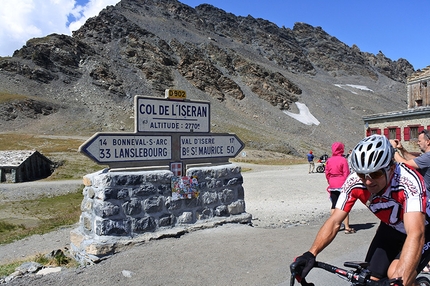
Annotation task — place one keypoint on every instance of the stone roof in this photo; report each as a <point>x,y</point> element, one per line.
<point>396,114</point>
<point>14,158</point>
<point>421,74</point>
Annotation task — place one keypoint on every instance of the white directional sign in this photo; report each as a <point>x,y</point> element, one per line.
<point>106,148</point>
<point>210,146</point>
<point>154,114</point>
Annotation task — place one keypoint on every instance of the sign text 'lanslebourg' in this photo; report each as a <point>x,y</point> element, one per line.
<point>108,148</point>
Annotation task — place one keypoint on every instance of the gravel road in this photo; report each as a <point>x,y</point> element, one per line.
<point>32,190</point>
<point>288,206</point>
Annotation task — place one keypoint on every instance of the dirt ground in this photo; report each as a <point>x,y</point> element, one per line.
<point>288,206</point>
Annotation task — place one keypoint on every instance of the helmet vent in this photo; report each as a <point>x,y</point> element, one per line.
<point>378,159</point>
<point>372,155</point>
<point>362,158</point>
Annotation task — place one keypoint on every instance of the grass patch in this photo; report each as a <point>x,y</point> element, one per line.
<point>4,226</point>
<point>57,259</point>
<point>6,97</point>
<point>72,166</point>
<point>16,141</point>
<point>39,216</point>
<point>8,269</point>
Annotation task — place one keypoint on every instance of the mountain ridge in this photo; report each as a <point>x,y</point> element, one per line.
<point>249,69</point>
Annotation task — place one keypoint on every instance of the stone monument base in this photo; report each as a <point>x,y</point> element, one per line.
<point>124,208</point>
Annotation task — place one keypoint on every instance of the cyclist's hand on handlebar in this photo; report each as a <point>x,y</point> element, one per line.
<point>302,265</point>
<point>391,282</point>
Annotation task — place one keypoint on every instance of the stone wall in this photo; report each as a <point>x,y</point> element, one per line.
<point>120,209</point>
<point>402,122</point>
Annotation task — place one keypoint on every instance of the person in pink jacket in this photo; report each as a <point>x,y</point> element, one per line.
<point>336,172</point>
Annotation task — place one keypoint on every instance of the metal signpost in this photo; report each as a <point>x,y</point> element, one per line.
<point>167,130</point>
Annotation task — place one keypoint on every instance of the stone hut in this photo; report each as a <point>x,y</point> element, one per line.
<point>407,124</point>
<point>23,166</point>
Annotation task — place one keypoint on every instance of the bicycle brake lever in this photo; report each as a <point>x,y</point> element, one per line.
<point>292,278</point>
<point>304,283</point>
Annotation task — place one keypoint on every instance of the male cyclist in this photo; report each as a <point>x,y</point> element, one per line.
<point>396,194</point>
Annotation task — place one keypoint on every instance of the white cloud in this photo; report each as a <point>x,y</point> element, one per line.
<point>304,115</point>
<point>91,9</point>
<point>21,20</point>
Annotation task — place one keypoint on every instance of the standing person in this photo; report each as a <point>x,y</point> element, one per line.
<point>311,162</point>
<point>336,172</point>
<point>349,154</point>
<point>422,162</point>
<point>396,194</point>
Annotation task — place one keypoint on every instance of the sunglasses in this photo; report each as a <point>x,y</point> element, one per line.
<point>373,176</point>
<point>426,133</point>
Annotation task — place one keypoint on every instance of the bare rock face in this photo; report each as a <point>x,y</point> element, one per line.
<point>29,108</point>
<point>249,69</point>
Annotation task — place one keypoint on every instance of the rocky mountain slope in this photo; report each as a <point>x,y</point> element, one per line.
<point>249,69</point>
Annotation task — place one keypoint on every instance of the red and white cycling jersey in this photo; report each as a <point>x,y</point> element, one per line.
<point>406,193</point>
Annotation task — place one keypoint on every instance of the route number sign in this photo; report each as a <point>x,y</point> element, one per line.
<point>175,94</point>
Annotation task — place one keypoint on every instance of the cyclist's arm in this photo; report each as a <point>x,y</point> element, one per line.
<point>328,231</point>
<point>406,158</point>
<point>411,251</point>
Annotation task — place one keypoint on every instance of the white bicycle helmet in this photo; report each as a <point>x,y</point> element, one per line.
<point>372,154</point>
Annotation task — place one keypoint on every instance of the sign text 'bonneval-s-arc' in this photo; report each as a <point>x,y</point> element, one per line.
<point>171,129</point>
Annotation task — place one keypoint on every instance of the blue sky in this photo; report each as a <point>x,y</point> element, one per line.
<point>397,28</point>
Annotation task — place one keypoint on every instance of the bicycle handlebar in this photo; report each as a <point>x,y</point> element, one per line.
<point>362,275</point>
<point>359,276</point>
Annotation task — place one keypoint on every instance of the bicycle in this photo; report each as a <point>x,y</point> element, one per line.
<point>358,276</point>
<point>321,167</point>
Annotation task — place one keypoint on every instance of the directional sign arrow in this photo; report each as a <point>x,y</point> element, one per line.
<point>118,148</point>
<point>214,145</point>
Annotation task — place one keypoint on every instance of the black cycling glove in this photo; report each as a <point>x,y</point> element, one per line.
<point>391,282</point>
<point>302,265</point>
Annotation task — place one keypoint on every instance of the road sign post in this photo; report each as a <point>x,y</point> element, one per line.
<point>167,130</point>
